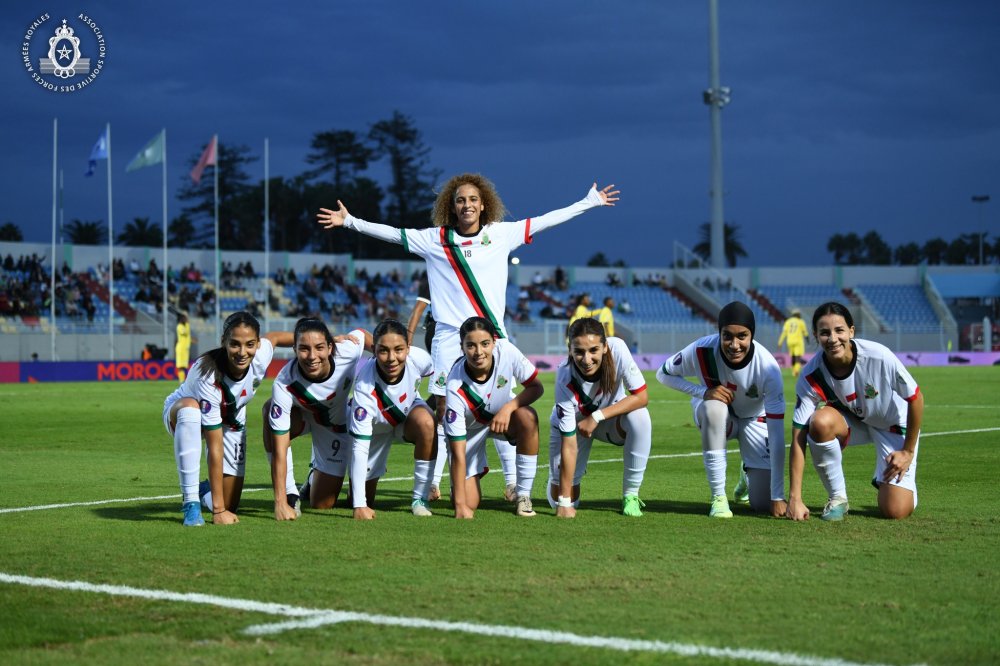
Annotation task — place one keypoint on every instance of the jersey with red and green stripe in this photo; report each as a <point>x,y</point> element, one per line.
<point>378,407</point>
<point>223,404</point>
<point>322,403</point>
<point>757,387</point>
<point>471,405</point>
<point>578,397</point>
<point>468,274</point>
<point>876,390</point>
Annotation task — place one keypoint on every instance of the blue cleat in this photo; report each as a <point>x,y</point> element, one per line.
<point>835,509</point>
<point>192,514</point>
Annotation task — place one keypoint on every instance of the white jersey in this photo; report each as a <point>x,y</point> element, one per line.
<point>471,405</point>
<point>578,398</point>
<point>468,274</point>
<point>380,407</point>
<point>223,405</point>
<point>757,387</point>
<point>323,403</point>
<point>875,392</point>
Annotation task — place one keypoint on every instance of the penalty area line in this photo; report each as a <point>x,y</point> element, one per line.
<point>312,618</point>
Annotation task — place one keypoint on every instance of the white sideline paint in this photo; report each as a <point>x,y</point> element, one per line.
<point>697,454</point>
<point>314,617</point>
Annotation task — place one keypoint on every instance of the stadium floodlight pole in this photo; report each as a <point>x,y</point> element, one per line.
<point>980,199</point>
<point>55,204</point>
<point>716,97</point>
<point>163,269</point>
<point>111,260</point>
<point>218,251</point>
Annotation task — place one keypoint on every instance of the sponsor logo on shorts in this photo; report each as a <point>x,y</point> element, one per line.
<point>206,406</point>
<point>360,414</point>
<point>451,416</point>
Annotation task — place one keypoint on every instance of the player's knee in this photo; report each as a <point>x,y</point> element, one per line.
<point>824,423</point>
<point>715,411</point>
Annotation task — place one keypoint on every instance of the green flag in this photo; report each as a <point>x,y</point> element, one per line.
<point>148,156</point>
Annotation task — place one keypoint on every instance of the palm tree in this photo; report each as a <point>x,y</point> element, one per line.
<point>733,248</point>
<point>89,232</point>
<point>141,233</point>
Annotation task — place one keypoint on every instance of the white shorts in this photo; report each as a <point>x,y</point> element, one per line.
<point>446,348</point>
<point>751,433</point>
<point>331,448</point>
<point>885,441</point>
<point>476,462</point>
<point>609,431</point>
<point>234,445</point>
<point>378,449</point>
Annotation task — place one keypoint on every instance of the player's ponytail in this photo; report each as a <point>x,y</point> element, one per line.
<point>607,377</point>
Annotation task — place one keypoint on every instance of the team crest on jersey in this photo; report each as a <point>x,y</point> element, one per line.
<point>275,411</point>
<point>501,381</point>
<point>360,414</point>
<point>485,240</point>
<point>752,392</point>
<point>870,391</point>
<point>440,381</point>
<point>451,416</point>
<point>206,406</point>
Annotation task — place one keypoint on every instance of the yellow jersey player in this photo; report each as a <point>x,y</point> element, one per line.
<point>794,333</point>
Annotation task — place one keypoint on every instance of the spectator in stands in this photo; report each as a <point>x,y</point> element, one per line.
<point>198,408</point>
<point>537,279</point>
<point>582,308</point>
<point>606,315</point>
<point>559,279</point>
<point>625,307</point>
<point>795,333</point>
<point>832,411</point>
<point>600,394</point>
<point>740,396</point>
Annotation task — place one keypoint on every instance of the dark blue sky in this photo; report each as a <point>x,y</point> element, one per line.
<point>845,116</point>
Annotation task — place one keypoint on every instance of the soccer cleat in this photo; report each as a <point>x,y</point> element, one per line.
<point>720,508</point>
<point>632,506</point>
<point>419,508</point>
<point>295,503</point>
<point>510,492</point>
<point>304,491</point>
<point>835,509</point>
<point>524,508</point>
<point>741,493</point>
<point>192,514</point>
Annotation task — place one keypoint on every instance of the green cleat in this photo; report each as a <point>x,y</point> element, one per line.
<point>835,509</point>
<point>720,508</point>
<point>632,506</point>
<point>420,509</point>
<point>741,493</point>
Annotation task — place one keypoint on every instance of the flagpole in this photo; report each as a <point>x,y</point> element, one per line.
<point>52,287</point>
<point>218,254</point>
<point>267,236</point>
<point>163,269</point>
<point>111,258</point>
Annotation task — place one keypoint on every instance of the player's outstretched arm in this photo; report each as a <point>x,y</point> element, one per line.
<point>332,218</point>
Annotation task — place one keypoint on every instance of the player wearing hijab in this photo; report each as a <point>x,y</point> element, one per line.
<point>387,408</point>
<point>740,397</point>
<point>480,404</point>
<point>854,392</point>
<point>600,394</point>
<point>211,403</point>
<point>310,395</point>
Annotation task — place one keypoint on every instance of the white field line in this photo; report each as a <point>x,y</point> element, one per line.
<point>693,454</point>
<point>312,617</point>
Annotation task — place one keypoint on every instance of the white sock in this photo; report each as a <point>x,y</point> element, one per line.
<point>422,470</point>
<point>527,466</point>
<point>828,461</point>
<point>442,457</point>
<point>187,451</point>
<point>290,487</point>
<point>508,460</point>
<point>638,441</point>
<point>715,470</point>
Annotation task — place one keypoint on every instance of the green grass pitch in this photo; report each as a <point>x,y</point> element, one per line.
<point>113,578</point>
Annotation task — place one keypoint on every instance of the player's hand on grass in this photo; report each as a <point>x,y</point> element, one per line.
<point>797,510</point>
<point>463,512</point>
<point>225,518</point>
<point>565,512</point>
<point>282,511</point>
<point>332,218</point>
<point>779,508</point>
<point>364,513</point>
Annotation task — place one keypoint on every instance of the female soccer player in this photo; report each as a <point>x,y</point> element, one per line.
<point>480,403</point>
<point>387,407</point>
<point>600,394</point>
<point>467,255</point>
<point>740,397</point>
<point>855,392</point>
<point>182,348</point>
<point>310,395</point>
<point>212,403</point>
<point>795,332</point>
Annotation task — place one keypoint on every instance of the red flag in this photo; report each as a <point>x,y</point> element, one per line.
<point>207,159</point>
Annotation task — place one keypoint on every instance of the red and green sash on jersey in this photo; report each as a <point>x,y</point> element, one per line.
<point>475,404</point>
<point>710,369</point>
<point>466,279</point>
<point>393,414</point>
<point>228,409</point>
<point>825,392</point>
<point>587,404</point>
<point>315,407</point>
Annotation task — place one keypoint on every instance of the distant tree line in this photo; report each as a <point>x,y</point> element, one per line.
<point>338,169</point>
<point>870,249</point>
